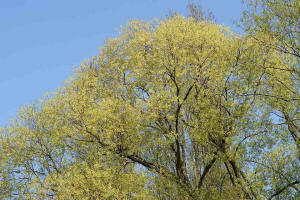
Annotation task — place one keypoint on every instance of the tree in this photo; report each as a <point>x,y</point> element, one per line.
<point>275,24</point>
<point>279,23</point>
<point>168,110</point>
<point>278,19</point>
<point>196,11</point>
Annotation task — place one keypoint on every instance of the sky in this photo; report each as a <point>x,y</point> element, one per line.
<point>41,41</point>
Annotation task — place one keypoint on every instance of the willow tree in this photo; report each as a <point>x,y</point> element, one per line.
<point>164,111</point>
<point>275,24</point>
<point>279,19</point>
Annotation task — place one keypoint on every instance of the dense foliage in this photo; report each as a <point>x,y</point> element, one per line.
<point>177,109</point>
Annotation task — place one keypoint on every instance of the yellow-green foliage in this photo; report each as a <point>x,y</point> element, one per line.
<point>174,109</point>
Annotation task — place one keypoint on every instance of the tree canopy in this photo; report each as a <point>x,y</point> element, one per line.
<point>279,23</point>
<point>172,109</point>
<point>278,19</point>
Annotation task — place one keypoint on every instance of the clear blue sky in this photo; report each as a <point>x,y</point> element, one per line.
<point>42,40</point>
